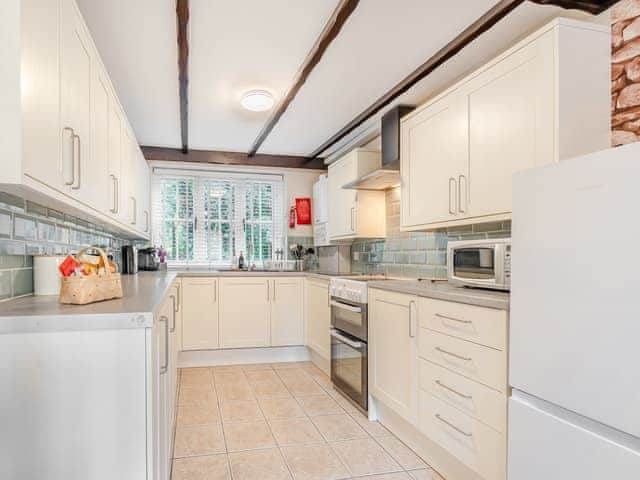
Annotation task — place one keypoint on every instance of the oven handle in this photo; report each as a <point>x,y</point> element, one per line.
<point>351,308</point>
<point>357,345</point>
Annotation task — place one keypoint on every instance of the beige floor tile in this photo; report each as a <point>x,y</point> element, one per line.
<point>339,427</point>
<point>365,457</point>
<point>304,388</point>
<point>195,376</point>
<point>229,378</point>
<point>319,405</point>
<point>228,368</point>
<point>210,467</point>
<point>197,395</point>
<point>313,370</point>
<point>256,367</point>
<point>290,365</point>
<point>189,415</point>
<point>375,429</point>
<point>199,440</point>
<point>274,389</point>
<point>387,476</point>
<point>261,376</point>
<point>323,380</point>
<point>346,404</point>
<point>401,453</point>
<point>259,465</point>
<point>248,436</point>
<point>314,462</point>
<point>425,474</point>
<point>242,411</point>
<point>234,392</point>
<point>293,375</point>
<point>280,408</point>
<point>295,431</point>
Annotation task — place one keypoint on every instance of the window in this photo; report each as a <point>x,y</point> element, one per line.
<point>207,219</point>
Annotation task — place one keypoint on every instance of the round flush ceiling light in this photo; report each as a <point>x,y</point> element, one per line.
<point>257,100</point>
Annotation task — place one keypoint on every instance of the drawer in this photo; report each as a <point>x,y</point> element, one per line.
<point>478,446</point>
<point>483,364</point>
<point>482,403</point>
<point>485,326</point>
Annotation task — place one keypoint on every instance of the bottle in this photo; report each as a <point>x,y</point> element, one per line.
<point>241,261</point>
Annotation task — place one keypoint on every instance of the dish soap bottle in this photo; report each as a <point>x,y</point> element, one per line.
<point>241,261</point>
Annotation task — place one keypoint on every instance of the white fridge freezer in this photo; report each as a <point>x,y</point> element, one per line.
<point>575,319</point>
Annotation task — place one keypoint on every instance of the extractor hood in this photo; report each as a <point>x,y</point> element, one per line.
<point>388,175</point>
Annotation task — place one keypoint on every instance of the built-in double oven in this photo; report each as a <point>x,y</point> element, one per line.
<point>349,349</point>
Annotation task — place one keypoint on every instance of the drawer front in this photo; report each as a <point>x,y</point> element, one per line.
<point>483,364</point>
<point>475,444</point>
<point>485,326</point>
<point>482,403</point>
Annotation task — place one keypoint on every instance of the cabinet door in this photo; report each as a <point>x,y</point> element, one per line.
<point>342,203</point>
<point>95,170</point>
<point>199,313</point>
<point>75,98</point>
<point>128,212</point>
<point>511,124</point>
<point>318,318</point>
<point>160,396</point>
<point>143,198</point>
<point>435,155</point>
<point>244,312</point>
<point>114,153</point>
<point>287,311</point>
<point>393,356</point>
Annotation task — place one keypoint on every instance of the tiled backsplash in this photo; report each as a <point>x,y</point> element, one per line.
<point>415,254</point>
<point>28,229</point>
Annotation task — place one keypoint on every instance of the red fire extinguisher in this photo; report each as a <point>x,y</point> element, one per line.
<point>292,217</point>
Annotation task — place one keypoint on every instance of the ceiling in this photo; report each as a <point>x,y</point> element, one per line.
<point>249,44</point>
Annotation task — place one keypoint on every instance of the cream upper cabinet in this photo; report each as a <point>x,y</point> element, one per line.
<point>114,152</point>
<point>393,351</point>
<point>530,106</point>
<point>287,311</point>
<point>198,304</point>
<point>318,317</point>
<point>245,312</point>
<point>96,170</point>
<point>354,213</point>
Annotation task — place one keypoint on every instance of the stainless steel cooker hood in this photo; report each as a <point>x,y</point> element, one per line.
<point>388,175</point>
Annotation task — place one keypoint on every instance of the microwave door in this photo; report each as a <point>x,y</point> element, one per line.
<point>475,263</point>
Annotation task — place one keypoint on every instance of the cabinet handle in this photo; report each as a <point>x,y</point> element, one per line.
<point>146,221</point>
<point>452,211</point>
<point>451,425</point>
<point>117,194</point>
<point>135,208</point>
<point>453,390</point>
<point>453,319</point>
<point>215,291</point>
<point>353,211</point>
<point>178,297</point>
<point>114,185</point>
<point>76,186</point>
<point>164,368</point>
<point>411,307</point>
<point>68,181</point>
<point>460,209</point>
<point>268,291</point>
<point>446,352</point>
<point>173,325</point>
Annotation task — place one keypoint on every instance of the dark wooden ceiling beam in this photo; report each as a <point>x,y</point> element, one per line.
<point>468,35</point>
<point>331,30</point>
<point>231,158</point>
<point>182,19</point>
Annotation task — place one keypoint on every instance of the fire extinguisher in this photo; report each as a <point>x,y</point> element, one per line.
<point>292,217</point>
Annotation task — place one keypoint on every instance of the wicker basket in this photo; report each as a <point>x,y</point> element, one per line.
<point>91,288</point>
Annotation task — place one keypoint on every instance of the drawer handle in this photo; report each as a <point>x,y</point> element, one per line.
<point>457,429</point>
<point>442,350</point>
<point>445,317</point>
<point>453,390</point>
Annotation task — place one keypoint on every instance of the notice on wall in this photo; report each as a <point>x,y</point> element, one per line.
<point>303,211</point>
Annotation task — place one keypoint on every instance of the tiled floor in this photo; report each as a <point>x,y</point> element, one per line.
<point>280,422</point>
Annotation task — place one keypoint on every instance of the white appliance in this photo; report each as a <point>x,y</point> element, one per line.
<point>321,212</point>
<point>575,320</point>
<point>480,263</point>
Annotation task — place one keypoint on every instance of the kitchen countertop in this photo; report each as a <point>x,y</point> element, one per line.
<point>441,290</point>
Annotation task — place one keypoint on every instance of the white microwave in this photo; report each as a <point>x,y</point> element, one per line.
<point>480,263</point>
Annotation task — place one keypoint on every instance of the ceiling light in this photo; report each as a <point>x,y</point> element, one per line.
<point>257,100</point>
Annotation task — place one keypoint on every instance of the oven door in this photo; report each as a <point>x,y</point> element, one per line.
<point>349,317</point>
<point>349,366</point>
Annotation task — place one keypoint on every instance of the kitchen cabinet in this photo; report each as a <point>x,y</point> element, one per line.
<point>200,319</point>
<point>318,315</point>
<point>114,152</point>
<point>287,311</point>
<point>245,307</point>
<point>393,354</point>
<point>521,110</point>
<point>320,212</point>
<point>354,213</point>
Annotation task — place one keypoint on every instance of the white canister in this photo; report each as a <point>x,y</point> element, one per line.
<point>46,276</point>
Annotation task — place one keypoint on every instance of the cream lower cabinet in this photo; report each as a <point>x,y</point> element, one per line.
<point>245,310</point>
<point>318,315</point>
<point>200,316</point>
<point>287,311</point>
<point>393,351</point>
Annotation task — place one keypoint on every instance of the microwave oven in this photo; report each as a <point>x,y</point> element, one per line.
<point>480,263</point>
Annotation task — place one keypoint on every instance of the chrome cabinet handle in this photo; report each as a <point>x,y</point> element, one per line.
<point>117,194</point>
<point>460,209</point>
<point>76,186</point>
<point>68,181</point>
<point>353,211</point>
<point>135,208</point>
<point>215,291</point>
<point>451,425</point>
<point>344,306</point>
<point>164,368</point>
<point>452,211</point>
<point>146,221</point>
<point>335,334</point>
<point>453,390</point>
<point>114,184</point>
<point>178,296</point>
<point>411,307</point>
<point>453,319</point>
<point>442,350</point>
<point>173,325</point>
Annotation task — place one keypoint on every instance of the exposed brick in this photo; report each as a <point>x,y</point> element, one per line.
<point>627,51</point>
<point>632,69</point>
<point>625,10</point>
<point>631,31</point>
<point>622,137</point>
<point>629,96</point>
<point>619,83</point>
<point>629,115</point>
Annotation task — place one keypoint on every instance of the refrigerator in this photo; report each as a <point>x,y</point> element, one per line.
<point>575,319</point>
